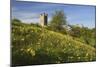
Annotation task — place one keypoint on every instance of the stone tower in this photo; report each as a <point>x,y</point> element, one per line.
<point>43,19</point>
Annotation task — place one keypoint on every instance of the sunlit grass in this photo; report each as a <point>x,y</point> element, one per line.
<point>36,45</point>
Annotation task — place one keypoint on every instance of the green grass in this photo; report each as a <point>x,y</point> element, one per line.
<point>35,45</point>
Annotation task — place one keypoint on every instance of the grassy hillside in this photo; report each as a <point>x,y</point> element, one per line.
<point>32,44</point>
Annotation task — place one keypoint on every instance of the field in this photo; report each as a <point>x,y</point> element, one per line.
<point>33,44</point>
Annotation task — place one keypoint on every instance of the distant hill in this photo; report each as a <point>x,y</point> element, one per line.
<point>32,44</point>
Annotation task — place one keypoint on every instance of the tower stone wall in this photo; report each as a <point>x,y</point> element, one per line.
<point>43,19</point>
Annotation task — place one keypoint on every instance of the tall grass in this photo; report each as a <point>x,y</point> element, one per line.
<point>36,45</point>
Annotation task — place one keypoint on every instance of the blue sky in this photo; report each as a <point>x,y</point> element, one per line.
<point>76,14</point>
